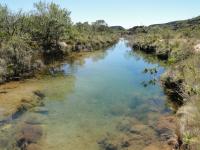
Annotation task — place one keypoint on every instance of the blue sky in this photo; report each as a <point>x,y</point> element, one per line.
<point>127,13</point>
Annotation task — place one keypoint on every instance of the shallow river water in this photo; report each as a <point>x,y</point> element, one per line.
<point>101,101</point>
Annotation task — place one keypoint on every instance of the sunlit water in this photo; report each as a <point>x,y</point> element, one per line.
<point>96,94</point>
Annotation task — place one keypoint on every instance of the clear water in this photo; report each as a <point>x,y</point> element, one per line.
<point>96,94</point>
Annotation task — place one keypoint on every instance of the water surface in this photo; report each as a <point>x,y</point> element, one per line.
<point>98,99</point>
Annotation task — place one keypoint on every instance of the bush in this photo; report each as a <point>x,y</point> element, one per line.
<point>49,24</point>
<point>47,33</point>
<point>17,56</point>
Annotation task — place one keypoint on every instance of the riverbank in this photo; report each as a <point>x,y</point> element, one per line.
<point>32,40</point>
<point>177,47</point>
<point>64,52</point>
<point>17,97</point>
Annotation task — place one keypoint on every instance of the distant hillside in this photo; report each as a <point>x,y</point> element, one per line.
<point>190,24</point>
<point>119,28</point>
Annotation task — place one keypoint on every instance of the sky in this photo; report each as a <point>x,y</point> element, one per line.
<point>127,13</point>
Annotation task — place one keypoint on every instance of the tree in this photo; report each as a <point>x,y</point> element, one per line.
<point>100,26</point>
<point>11,23</point>
<point>100,23</point>
<point>50,24</point>
<point>18,56</point>
<point>83,27</point>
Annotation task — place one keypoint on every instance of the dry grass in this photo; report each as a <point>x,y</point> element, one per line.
<point>189,116</point>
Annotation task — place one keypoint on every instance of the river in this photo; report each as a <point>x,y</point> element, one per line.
<point>101,102</point>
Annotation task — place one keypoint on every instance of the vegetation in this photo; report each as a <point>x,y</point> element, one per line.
<point>177,43</point>
<point>46,32</point>
<point>28,39</point>
<point>173,41</point>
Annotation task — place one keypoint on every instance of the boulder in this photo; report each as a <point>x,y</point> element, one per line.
<point>62,44</point>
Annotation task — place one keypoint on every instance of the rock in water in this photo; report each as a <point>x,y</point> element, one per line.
<point>29,134</point>
<point>167,130</point>
<point>39,94</point>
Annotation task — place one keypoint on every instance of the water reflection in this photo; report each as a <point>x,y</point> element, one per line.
<point>98,102</point>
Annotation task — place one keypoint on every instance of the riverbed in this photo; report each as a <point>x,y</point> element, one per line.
<point>101,101</point>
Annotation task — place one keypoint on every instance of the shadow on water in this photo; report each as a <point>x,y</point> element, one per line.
<point>147,58</point>
<point>60,66</point>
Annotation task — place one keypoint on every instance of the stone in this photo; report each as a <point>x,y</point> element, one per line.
<point>40,110</point>
<point>62,44</point>
<point>167,130</point>
<point>39,94</point>
<point>33,119</point>
<point>106,145</point>
<point>125,144</point>
<point>197,48</point>
<point>29,134</point>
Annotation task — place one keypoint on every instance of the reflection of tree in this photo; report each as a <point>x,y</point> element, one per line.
<point>99,56</point>
<point>150,59</point>
<point>81,58</point>
<point>75,61</point>
<point>64,81</point>
<point>153,73</point>
<point>146,57</point>
<point>77,58</point>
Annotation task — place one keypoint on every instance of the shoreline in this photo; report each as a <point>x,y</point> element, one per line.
<point>174,89</point>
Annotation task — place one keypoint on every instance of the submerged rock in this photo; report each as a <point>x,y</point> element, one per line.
<point>40,110</point>
<point>33,119</point>
<point>132,128</point>
<point>167,130</point>
<point>39,94</point>
<point>133,135</point>
<point>118,110</point>
<point>29,134</point>
<point>105,145</point>
<point>125,144</point>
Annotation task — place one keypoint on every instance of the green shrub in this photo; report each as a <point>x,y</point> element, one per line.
<point>17,55</point>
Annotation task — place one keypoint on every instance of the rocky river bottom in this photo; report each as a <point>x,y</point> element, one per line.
<point>101,101</point>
